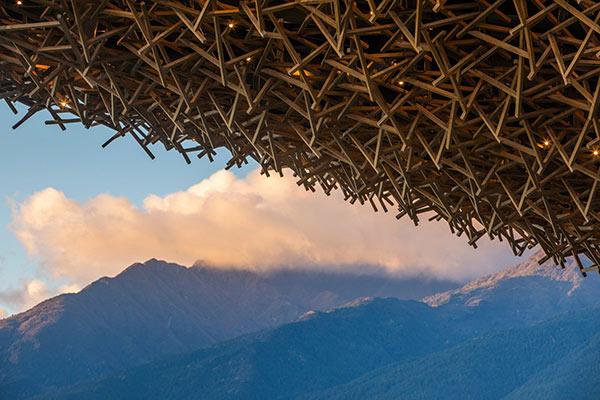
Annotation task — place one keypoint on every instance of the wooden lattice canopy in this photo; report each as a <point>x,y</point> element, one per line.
<point>482,114</point>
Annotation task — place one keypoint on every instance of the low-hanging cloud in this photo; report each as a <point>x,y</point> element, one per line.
<point>27,295</point>
<point>250,222</point>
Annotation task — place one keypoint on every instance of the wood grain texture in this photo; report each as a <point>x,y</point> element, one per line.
<point>478,113</point>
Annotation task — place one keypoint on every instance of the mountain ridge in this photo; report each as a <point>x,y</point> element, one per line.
<point>380,349</point>
<point>528,268</point>
<point>349,351</point>
<point>314,321</point>
<point>492,366</point>
<point>156,308</point>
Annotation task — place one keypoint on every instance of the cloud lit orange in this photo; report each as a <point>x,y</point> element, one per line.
<point>251,222</point>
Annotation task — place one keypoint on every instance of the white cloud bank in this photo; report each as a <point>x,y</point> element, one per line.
<point>251,222</point>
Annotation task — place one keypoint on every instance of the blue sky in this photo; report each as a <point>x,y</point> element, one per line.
<point>36,156</point>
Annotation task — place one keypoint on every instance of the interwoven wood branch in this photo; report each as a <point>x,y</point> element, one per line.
<point>482,114</point>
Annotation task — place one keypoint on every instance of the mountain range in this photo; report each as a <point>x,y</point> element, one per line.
<point>529,331</point>
<point>158,308</point>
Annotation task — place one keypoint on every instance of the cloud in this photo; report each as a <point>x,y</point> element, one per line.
<point>31,293</point>
<point>13,297</point>
<point>36,291</point>
<point>70,288</point>
<point>28,295</point>
<point>250,222</point>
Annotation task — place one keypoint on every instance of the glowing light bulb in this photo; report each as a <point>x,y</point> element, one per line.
<point>231,25</point>
<point>19,2</point>
<point>546,143</point>
<point>248,59</point>
<point>596,153</point>
<point>401,83</point>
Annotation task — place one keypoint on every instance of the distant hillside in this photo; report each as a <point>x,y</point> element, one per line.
<point>156,308</point>
<point>509,342</point>
<point>556,360</point>
<point>323,350</point>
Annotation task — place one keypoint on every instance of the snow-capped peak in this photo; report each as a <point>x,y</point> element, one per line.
<point>530,267</point>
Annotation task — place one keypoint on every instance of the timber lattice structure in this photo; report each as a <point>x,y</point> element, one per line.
<point>481,113</point>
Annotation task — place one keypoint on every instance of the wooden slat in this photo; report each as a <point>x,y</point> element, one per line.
<point>481,113</point>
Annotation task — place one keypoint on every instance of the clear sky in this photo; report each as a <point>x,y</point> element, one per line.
<point>73,212</point>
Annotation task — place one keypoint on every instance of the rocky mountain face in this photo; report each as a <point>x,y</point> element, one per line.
<point>523,333</point>
<point>155,309</point>
<point>473,292</point>
<point>524,294</point>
